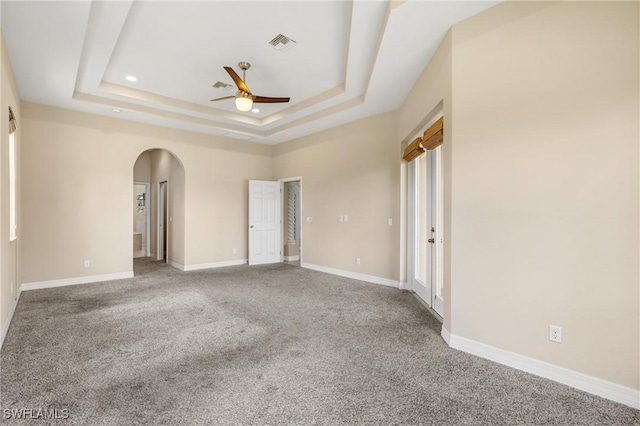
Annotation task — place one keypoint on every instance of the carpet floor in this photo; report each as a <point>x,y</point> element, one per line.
<point>262,345</point>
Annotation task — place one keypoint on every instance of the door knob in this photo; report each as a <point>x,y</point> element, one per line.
<point>251,226</point>
<point>431,240</point>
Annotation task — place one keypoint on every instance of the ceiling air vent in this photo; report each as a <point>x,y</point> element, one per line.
<point>221,85</point>
<point>282,43</point>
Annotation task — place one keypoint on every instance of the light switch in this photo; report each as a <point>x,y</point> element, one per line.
<point>346,218</point>
<point>309,219</point>
<point>390,222</point>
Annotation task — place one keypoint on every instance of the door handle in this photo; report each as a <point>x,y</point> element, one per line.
<point>251,226</point>
<point>431,240</point>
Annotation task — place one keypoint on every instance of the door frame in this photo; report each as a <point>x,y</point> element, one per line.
<point>412,216</point>
<point>160,238</point>
<point>301,192</point>
<point>147,207</point>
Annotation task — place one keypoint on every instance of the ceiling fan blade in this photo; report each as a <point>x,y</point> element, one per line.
<point>236,78</point>
<point>268,100</point>
<point>222,99</point>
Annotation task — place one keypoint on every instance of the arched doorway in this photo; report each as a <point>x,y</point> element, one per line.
<point>158,207</point>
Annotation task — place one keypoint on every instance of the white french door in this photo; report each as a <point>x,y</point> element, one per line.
<point>427,227</point>
<point>421,283</point>
<point>436,242</point>
<point>265,228</point>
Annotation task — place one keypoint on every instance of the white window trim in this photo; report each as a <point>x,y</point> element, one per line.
<point>13,228</point>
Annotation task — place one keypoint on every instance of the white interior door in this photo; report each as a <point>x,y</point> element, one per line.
<point>265,228</point>
<point>437,224</point>
<point>421,280</point>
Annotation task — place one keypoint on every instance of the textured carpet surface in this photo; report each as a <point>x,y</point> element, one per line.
<point>263,345</point>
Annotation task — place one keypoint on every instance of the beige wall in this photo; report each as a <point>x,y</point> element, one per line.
<point>142,168</point>
<point>545,178</point>
<point>351,170</point>
<point>78,168</point>
<point>8,250</point>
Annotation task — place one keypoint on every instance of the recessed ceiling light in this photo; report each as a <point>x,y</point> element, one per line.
<point>116,110</point>
<point>130,78</point>
<point>255,110</point>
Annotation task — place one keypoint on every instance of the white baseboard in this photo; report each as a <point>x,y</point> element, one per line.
<point>291,258</point>
<point>175,264</point>
<point>212,265</point>
<point>5,328</point>
<point>153,255</point>
<point>403,286</point>
<point>73,281</point>
<point>445,335</point>
<point>584,382</point>
<point>354,275</point>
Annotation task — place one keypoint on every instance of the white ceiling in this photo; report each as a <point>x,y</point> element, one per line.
<point>353,59</point>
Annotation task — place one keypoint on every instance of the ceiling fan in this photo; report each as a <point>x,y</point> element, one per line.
<point>244,98</point>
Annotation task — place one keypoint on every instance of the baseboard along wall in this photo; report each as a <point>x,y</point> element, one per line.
<point>581,381</point>
<point>74,281</point>
<point>354,275</point>
<point>212,265</point>
<point>5,329</point>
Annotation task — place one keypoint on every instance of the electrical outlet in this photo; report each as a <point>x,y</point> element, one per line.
<point>235,251</point>
<point>87,263</point>
<point>341,218</point>
<point>309,219</point>
<point>390,222</point>
<point>357,260</point>
<point>555,333</point>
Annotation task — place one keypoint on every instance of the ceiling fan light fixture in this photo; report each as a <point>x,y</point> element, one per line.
<point>244,101</point>
<point>244,98</point>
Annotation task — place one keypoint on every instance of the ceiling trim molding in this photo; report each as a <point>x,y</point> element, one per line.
<point>319,114</point>
<point>128,106</point>
<point>141,95</point>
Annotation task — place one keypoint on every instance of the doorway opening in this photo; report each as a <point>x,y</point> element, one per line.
<point>275,212</point>
<point>291,214</point>
<point>141,243</point>
<point>162,176</point>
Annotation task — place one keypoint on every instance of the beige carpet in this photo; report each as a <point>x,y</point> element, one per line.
<point>265,345</point>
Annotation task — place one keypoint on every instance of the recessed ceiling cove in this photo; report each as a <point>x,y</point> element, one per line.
<point>336,60</point>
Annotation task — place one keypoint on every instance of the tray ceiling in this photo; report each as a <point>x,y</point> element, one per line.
<point>351,59</point>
